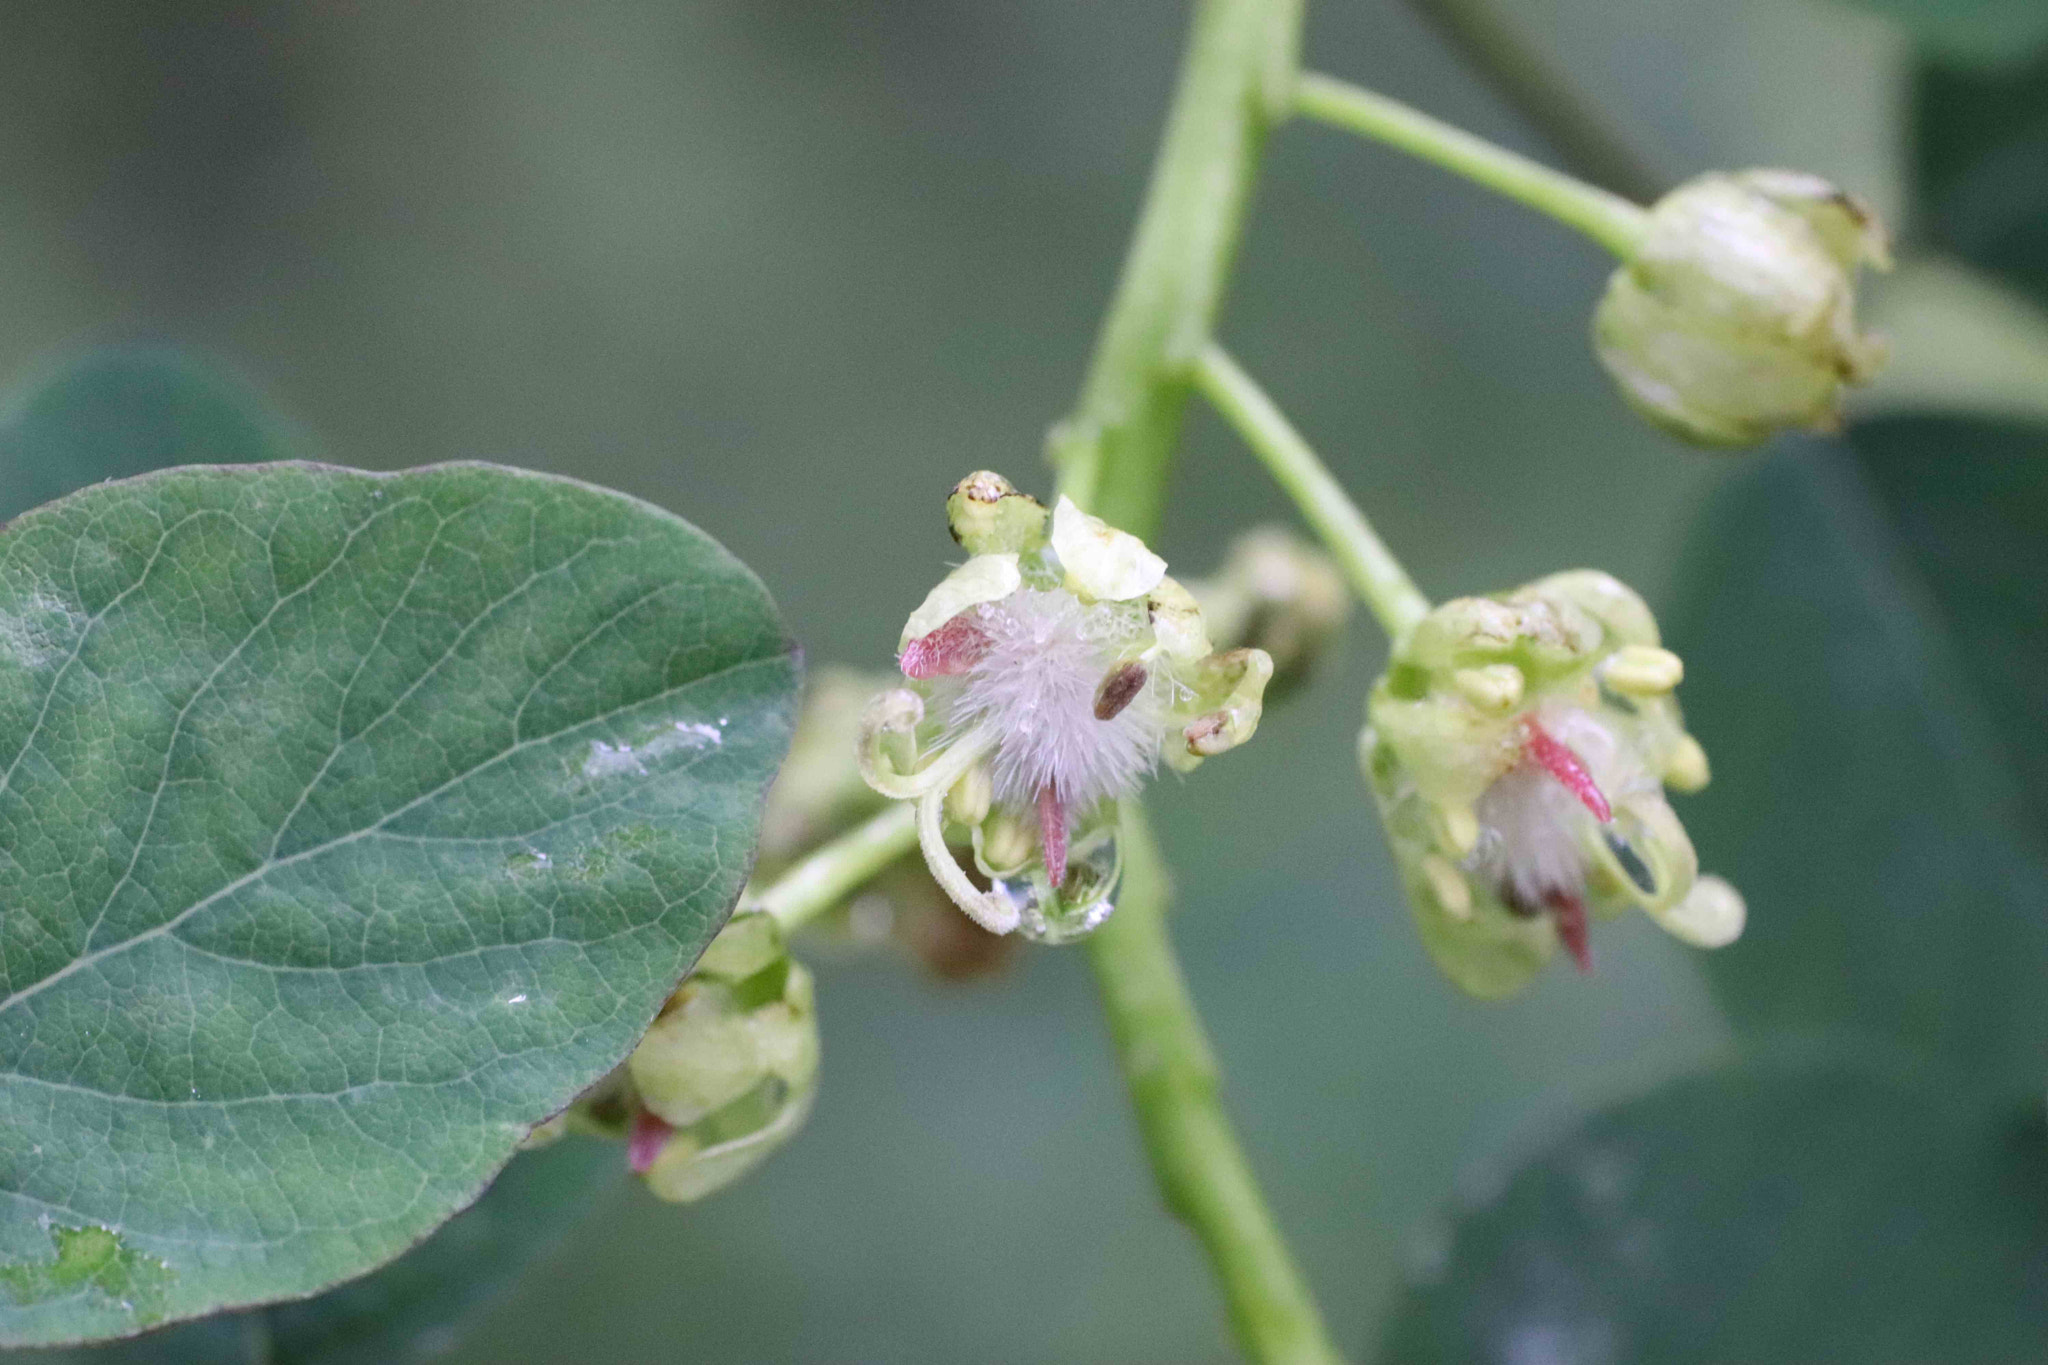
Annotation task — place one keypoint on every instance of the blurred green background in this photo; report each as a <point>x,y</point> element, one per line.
<point>789,268</point>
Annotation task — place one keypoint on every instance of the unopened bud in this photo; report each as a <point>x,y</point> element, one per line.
<point>1735,318</point>
<point>967,801</point>
<point>988,516</point>
<point>727,1071</point>
<point>1278,593</point>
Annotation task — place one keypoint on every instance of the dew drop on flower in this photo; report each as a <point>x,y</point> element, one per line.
<point>1077,907</point>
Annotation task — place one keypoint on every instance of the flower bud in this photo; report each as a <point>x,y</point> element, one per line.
<point>1278,593</point>
<point>1518,748</point>
<point>1735,318</point>
<point>1046,676</point>
<point>988,516</point>
<point>727,1072</point>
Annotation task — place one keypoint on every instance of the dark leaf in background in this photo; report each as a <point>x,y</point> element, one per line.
<point>1773,1214</point>
<point>1862,798</point>
<point>352,824</point>
<point>1981,163</point>
<point>1970,32</point>
<point>1969,502</point>
<point>411,1309</point>
<point>122,411</point>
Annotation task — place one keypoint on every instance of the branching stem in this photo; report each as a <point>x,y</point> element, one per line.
<point>829,874</point>
<point>1607,218</point>
<point>1374,572</point>
<point>1235,81</point>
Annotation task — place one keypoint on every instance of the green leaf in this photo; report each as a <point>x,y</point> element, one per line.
<point>1862,796</point>
<point>1980,142</point>
<point>1968,500</point>
<point>1982,32</point>
<point>122,411</point>
<point>412,1309</point>
<point>1768,1213</point>
<point>349,824</point>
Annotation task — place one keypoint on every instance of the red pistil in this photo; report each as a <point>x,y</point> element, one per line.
<point>1052,832</point>
<point>1569,914</point>
<point>650,1134</point>
<point>1562,764</point>
<point>953,648</point>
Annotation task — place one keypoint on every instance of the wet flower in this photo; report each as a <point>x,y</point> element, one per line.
<point>1735,318</point>
<point>727,1072</point>
<point>1519,747</point>
<point>1046,677</point>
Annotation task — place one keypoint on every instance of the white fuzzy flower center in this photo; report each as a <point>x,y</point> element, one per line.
<point>1033,691</point>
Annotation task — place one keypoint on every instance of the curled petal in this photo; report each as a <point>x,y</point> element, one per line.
<point>886,746</point>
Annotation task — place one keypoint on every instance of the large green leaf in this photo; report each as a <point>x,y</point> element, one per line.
<point>1980,145</point>
<point>412,1309</point>
<point>349,824</point>
<point>1862,796</point>
<point>121,411</point>
<point>1766,1214</point>
<point>1968,500</point>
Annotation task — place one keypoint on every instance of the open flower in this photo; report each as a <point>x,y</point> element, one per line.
<point>1519,747</point>
<point>1047,676</point>
<point>1735,318</point>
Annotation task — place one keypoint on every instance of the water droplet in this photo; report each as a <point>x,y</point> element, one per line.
<point>1080,905</point>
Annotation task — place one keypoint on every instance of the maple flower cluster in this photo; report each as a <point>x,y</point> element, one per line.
<point>1045,678</point>
<point>1519,747</point>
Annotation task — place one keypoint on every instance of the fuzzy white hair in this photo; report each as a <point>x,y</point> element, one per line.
<point>1532,827</point>
<point>1033,692</point>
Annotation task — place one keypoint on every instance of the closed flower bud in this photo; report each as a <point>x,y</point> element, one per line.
<point>1045,678</point>
<point>727,1072</point>
<point>1518,747</point>
<point>1277,593</point>
<point>1735,318</point>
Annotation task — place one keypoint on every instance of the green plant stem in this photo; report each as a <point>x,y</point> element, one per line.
<point>1374,572</point>
<point>1607,218</point>
<point>1202,1172</point>
<point>1236,81</point>
<point>830,873</point>
<point>1529,79</point>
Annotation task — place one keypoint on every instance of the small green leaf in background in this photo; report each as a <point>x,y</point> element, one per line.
<point>1775,1213</point>
<point>122,411</point>
<point>412,1308</point>
<point>349,824</point>
<point>1980,151</point>
<point>1863,797</point>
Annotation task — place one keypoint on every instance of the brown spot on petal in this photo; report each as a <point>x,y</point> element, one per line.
<point>1120,689</point>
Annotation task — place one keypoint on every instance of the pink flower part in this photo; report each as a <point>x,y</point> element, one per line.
<point>1562,764</point>
<point>1568,912</point>
<point>650,1134</point>
<point>1052,832</point>
<point>952,649</point>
